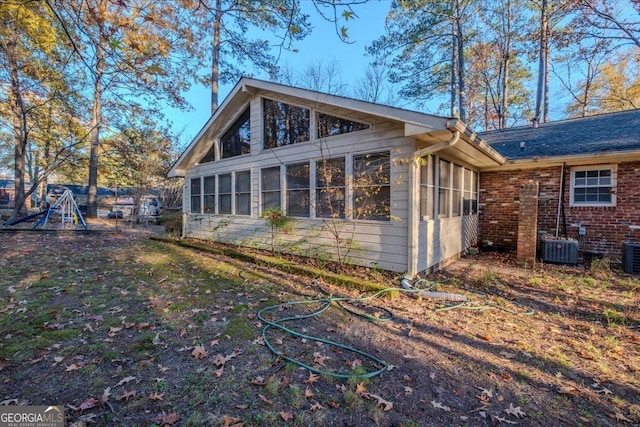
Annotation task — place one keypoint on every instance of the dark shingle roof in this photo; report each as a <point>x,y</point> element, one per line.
<point>601,134</point>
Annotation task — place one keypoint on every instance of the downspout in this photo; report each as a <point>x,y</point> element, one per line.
<point>414,201</point>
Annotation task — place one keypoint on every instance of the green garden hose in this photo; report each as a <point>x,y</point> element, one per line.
<point>460,301</point>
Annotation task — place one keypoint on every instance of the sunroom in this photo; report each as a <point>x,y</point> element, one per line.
<point>365,183</point>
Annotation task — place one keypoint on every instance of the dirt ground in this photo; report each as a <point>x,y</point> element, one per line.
<point>122,330</point>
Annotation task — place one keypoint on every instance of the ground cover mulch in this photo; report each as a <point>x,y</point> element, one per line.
<point>123,330</point>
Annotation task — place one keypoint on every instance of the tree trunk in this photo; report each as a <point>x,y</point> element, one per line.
<point>20,134</point>
<point>462,95</point>
<point>541,63</point>
<point>215,58</point>
<point>505,72</point>
<point>545,116</point>
<point>454,68</point>
<point>96,123</point>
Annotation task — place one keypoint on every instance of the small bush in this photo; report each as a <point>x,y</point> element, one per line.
<point>172,224</point>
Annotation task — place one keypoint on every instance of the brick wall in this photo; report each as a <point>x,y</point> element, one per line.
<point>606,227</point>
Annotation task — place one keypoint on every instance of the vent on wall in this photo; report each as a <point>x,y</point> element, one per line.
<point>631,257</point>
<point>560,251</point>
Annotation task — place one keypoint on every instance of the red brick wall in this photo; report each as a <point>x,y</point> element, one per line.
<point>607,227</point>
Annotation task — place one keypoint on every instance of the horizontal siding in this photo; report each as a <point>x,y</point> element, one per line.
<point>381,245</point>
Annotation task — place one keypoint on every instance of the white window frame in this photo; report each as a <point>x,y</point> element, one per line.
<point>612,186</point>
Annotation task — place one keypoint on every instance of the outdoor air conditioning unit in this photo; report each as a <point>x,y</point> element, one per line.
<point>631,257</point>
<point>559,251</point>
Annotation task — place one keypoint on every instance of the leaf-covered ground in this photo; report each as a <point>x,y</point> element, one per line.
<point>122,330</point>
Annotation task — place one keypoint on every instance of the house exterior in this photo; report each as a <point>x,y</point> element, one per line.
<point>588,176</point>
<point>374,185</point>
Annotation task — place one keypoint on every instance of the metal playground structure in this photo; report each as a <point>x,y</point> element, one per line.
<point>65,207</point>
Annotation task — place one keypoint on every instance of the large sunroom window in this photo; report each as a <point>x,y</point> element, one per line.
<point>298,190</point>
<point>243,193</point>
<point>330,125</point>
<point>270,188</point>
<point>330,188</point>
<point>372,186</point>
<point>237,140</point>
<point>284,124</point>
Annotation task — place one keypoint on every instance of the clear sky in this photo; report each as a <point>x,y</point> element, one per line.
<point>321,45</point>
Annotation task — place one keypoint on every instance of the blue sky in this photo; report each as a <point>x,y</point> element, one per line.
<point>321,45</point>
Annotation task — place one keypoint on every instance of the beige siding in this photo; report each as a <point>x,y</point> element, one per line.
<point>381,244</point>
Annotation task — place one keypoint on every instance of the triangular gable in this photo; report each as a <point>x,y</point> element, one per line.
<point>347,108</point>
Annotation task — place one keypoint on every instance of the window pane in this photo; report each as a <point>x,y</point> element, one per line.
<point>224,183</point>
<point>330,125</point>
<point>443,201</point>
<point>298,189</point>
<point>271,187</point>
<point>196,196</point>
<point>593,187</point>
<point>284,124</point>
<point>427,188</point>
<point>445,174</point>
<point>225,204</point>
<point>224,193</point>
<point>330,188</point>
<point>209,192</point>
<point>237,140</point>
<point>243,182</point>
<point>210,156</point>
<point>372,191</point>
<point>243,193</point>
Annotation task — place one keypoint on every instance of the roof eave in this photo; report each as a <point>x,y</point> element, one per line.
<point>570,160</point>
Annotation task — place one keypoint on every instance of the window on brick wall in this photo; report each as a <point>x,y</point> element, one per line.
<point>593,186</point>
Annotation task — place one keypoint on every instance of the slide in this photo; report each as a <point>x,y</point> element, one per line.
<point>26,218</point>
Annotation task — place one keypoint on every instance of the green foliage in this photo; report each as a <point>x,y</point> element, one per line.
<point>279,223</point>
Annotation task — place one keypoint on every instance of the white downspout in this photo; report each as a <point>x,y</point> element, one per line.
<point>414,201</point>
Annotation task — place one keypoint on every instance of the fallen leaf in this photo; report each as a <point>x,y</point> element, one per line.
<point>620,417</point>
<point>286,416</point>
<point>361,389</point>
<point>568,389</point>
<point>308,393</point>
<point>439,405</point>
<point>316,407</point>
<point>265,400</point>
<point>167,419</point>
<point>9,402</point>
<point>258,381</point>
<point>73,367</point>
<point>125,381</point>
<point>57,360</point>
<point>232,422</point>
<point>243,406</point>
<point>312,378</point>
<point>156,396</point>
<point>105,395</point>
<point>515,411</point>
<point>408,390</point>
<point>199,352</point>
<point>503,420</point>
<point>126,395</point>
<point>341,387</point>
<point>219,371</point>
<point>113,331</point>
<point>385,404</point>
<point>319,359</point>
<point>88,404</point>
